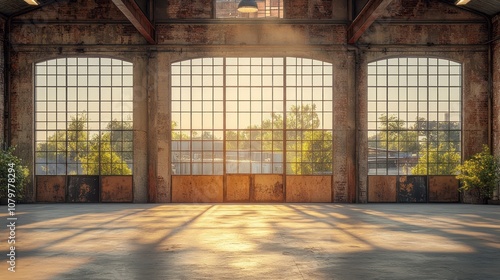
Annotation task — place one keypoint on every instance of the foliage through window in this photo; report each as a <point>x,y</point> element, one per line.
<point>270,9</point>
<point>83,122</point>
<point>414,116</point>
<point>252,115</point>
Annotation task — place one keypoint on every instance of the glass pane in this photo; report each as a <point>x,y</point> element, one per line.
<point>84,131</point>
<point>414,123</point>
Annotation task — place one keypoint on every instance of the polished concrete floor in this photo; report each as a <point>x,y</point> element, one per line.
<point>254,241</point>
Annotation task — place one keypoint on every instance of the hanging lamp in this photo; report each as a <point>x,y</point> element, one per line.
<point>247,6</point>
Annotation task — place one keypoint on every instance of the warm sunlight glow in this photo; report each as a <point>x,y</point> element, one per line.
<point>57,240</point>
<point>32,2</point>
<point>259,115</point>
<point>462,2</point>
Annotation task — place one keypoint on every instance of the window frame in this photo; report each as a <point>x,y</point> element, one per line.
<point>272,82</point>
<point>88,92</point>
<point>422,87</point>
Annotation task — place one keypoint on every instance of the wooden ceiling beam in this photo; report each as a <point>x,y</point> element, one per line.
<point>371,11</point>
<point>135,15</point>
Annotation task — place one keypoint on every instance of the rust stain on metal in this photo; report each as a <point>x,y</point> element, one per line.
<point>268,188</point>
<point>412,189</point>
<point>116,189</point>
<point>197,188</point>
<point>309,189</point>
<point>382,188</point>
<point>162,190</point>
<point>238,188</point>
<point>50,188</point>
<point>443,189</point>
<point>83,189</point>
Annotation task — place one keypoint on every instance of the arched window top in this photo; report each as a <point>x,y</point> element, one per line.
<point>70,61</point>
<point>251,61</point>
<point>415,61</point>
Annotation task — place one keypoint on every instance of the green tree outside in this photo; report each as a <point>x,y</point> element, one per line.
<point>395,136</point>
<point>309,149</point>
<point>441,160</point>
<point>102,160</point>
<point>315,154</point>
<point>96,156</point>
<point>433,142</point>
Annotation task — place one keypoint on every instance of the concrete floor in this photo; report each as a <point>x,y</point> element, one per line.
<point>255,241</point>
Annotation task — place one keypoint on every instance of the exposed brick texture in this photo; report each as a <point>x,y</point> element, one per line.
<point>426,10</point>
<point>2,82</point>
<point>496,86</point>
<point>98,28</point>
<point>71,10</point>
<point>296,9</point>
<point>181,9</point>
<point>259,34</point>
<point>389,33</point>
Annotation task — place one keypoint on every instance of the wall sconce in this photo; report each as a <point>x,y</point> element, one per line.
<point>247,6</point>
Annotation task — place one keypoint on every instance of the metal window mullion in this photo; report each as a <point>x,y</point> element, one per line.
<point>224,116</point>
<point>377,87</point>
<point>191,117</point>
<point>77,152</point>
<point>427,126</point>
<point>386,92</point>
<point>437,119</point>
<point>67,115</point>
<point>238,128</point>
<point>99,170</point>
<point>284,126</point>
<point>202,141</point>
<point>212,144</point>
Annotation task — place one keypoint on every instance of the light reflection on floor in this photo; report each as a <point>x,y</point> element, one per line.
<point>248,241</point>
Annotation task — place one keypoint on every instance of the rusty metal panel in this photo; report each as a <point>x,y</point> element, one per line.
<point>412,189</point>
<point>308,188</point>
<point>50,188</point>
<point>238,188</point>
<point>193,188</point>
<point>83,189</point>
<point>268,188</point>
<point>382,188</point>
<point>116,189</point>
<point>443,189</point>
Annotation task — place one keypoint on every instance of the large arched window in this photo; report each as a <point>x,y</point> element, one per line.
<point>414,116</point>
<point>83,120</point>
<point>252,115</point>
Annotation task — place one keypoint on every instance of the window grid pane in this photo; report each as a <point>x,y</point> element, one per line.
<point>84,117</point>
<point>414,116</point>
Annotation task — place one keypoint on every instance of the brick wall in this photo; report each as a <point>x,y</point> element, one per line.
<point>98,28</point>
<point>2,82</point>
<point>496,86</point>
<point>418,28</point>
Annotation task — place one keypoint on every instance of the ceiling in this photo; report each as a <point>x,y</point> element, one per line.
<point>12,7</point>
<point>487,7</point>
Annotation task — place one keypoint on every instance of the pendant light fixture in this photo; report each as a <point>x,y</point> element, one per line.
<point>247,6</point>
